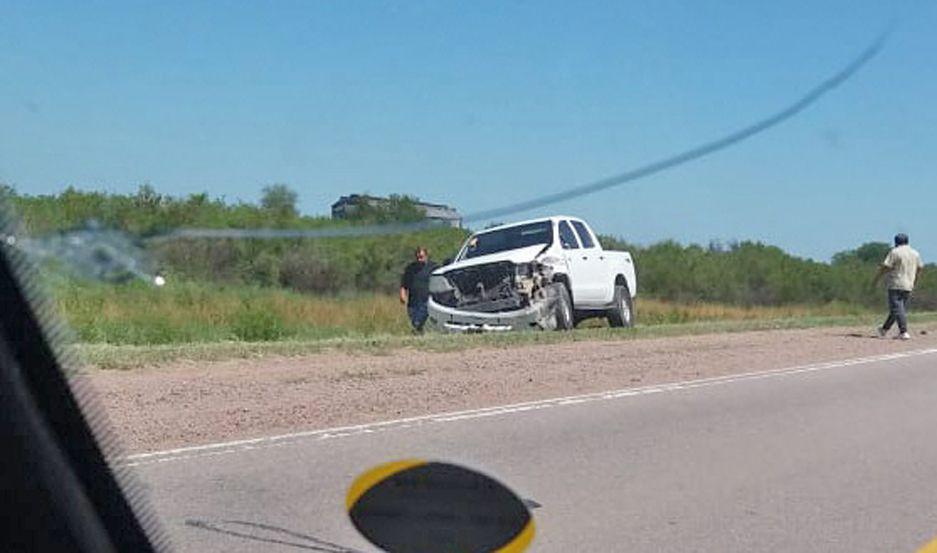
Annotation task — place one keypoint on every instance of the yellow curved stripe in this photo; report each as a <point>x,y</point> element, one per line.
<point>929,548</point>
<point>372,477</point>
<point>522,540</point>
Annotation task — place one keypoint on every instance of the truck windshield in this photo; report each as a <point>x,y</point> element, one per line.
<point>510,238</point>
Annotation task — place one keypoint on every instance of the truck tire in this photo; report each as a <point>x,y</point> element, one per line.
<point>563,308</point>
<point>621,315</point>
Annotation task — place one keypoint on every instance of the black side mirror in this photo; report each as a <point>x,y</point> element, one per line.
<point>447,261</point>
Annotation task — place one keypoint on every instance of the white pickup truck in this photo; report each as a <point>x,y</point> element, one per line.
<point>544,273</point>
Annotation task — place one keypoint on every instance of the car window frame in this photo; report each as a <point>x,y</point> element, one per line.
<point>559,232</point>
<point>583,233</point>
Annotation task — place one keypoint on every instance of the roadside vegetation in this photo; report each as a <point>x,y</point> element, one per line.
<point>317,290</point>
<point>140,314</point>
<point>110,356</point>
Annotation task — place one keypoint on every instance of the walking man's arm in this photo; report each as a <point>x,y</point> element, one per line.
<point>885,266</point>
<point>882,269</point>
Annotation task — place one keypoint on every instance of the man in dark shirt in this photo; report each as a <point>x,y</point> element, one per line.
<point>414,288</point>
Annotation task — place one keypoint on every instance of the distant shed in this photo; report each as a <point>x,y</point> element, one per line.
<point>346,205</point>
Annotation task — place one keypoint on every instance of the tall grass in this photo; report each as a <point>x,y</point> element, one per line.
<point>194,312</point>
<point>188,312</point>
<point>653,311</point>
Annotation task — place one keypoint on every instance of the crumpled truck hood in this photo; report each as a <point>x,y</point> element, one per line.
<point>520,255</point>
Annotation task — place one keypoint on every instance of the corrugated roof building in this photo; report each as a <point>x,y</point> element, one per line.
<point>346,205</point>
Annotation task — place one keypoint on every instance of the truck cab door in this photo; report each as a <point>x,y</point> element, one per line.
<point>581,268</point>
<point>601,269</point>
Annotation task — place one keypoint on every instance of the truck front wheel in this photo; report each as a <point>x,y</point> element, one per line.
<point>562,308</point>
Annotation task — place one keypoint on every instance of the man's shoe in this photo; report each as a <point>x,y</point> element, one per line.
<point>904,336</point>
<point>881,332</point>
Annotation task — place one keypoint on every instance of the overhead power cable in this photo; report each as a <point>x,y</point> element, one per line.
<point>697,152</point>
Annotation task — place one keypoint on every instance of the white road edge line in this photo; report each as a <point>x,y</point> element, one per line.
<point>223,448</point>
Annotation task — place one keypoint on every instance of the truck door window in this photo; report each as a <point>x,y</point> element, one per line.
<point>583,233</point>
<point>567,237</point>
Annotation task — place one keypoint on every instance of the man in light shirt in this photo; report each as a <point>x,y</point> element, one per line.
<point>901,268</point>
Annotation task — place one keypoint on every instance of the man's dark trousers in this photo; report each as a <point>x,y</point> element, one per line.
<point>897,309</point>
<point>418,313</point>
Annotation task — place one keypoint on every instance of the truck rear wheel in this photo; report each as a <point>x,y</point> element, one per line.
<point>622,312</point>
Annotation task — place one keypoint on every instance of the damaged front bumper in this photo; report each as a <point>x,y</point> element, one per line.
<point>538,315</point>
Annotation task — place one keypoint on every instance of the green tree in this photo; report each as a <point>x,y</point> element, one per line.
<point>146,197</point>
<point>279,199</point>
<point>870,252</point>
<point>397,208</point>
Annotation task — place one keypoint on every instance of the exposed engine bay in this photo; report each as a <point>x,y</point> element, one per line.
<point>493,287</point>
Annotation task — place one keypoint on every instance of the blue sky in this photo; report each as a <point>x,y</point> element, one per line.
<point>480,104</point>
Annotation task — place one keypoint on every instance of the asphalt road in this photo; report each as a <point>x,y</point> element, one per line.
<point>837,457</point>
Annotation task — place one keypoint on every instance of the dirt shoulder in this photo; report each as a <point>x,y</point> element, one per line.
<point>190,403</point>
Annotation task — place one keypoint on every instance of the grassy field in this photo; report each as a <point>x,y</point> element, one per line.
<point>137,324</point>
<point>109,356</point>
<point>183,313</point>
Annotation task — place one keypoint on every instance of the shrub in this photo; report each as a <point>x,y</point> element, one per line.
<point>306,271</point>
<point>257,325</point>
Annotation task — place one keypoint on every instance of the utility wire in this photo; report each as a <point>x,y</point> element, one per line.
<point>694,153</point>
